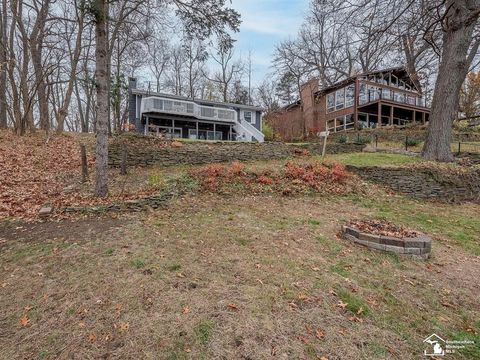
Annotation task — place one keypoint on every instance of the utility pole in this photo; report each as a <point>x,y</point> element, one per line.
<point>249,77</point>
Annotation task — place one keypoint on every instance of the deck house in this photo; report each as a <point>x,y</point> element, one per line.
<point>369,100</point>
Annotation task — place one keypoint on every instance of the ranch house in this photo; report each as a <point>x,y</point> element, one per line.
<point>173,116</point>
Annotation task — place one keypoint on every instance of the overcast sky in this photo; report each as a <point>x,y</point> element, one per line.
<point>264,24</point>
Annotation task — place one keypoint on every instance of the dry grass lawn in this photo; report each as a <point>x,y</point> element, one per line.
<point>238,277</point>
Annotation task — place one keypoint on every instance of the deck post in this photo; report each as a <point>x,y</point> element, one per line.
<point>423,118</point>
<point>391,115</point>
<point>355,104</point>
<point>173,129</point>
<point>214,130</point>
<point>196,124</point>
<point>146,127</point>
<point>414,116</point>
<point>379,114</point>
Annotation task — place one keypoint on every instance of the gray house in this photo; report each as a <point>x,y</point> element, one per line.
<point>181,117</point>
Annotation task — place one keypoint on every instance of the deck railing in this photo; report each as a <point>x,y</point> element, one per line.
<point>187,108</point>
<point>391,95</point>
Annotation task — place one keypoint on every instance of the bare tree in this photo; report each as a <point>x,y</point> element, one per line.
<point>3,65</point>
<point>460,44</point>
<point>266,96</point>
<point>230,69</point>
<point>195,57</point>
<point>101,75</point>
<point>159,58</point>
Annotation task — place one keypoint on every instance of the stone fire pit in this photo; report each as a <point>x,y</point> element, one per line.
<point>387,237</point>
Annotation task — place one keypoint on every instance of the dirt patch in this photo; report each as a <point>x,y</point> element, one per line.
<point>67,230</point>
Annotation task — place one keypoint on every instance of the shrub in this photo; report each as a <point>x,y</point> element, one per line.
<point>268,131</point>
<point>265,180</point>
<point>363,139</point>
<point>214,170</point>
<point>412,142</point>
<point>339,172</point>
<point>342,139</point>
<point>294,171</point>
<point>237,168</point>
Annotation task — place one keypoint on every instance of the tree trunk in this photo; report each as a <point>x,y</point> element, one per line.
<point>101,187</point>
<point>63,112</point>
<point>457,39</point>
<point>3,66</point>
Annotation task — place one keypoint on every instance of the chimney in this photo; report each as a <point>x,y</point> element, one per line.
<point>132,83</point>
<point>307,95</point>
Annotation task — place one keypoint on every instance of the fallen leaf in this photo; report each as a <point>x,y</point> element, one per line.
<point>320,335</point>
<point>92,338</point>
<point>124,326</point>
<point>342,305</point>
<point>233,306</point>
<point>186,310</point>
<point>24,321</point>
<point>446,303</point>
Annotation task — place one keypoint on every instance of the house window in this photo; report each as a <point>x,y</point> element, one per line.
<point>330,102</point>
<point>386,94</point>
<point>411,100</point>
<point>247,116</point>
<point>349,95</point>
<point>373,93</point>
<point>399,97</point>
<point>349,121</point>
<point>362,99</point>
<point>340,99</point>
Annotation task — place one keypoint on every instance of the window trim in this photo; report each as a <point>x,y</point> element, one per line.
<point>339,105</point>
<point>331,108</point>
<point>251,116</point>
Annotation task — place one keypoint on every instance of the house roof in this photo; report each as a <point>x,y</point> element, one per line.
<point>198,101</point>
<point>399,71</point>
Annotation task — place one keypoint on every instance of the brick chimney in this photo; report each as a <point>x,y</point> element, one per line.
<point>307,95</point>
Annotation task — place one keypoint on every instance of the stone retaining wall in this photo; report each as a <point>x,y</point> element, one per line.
<point>425,183</point>
<point>399,135</point>
<point>420,246</point>
<point>189,153</point>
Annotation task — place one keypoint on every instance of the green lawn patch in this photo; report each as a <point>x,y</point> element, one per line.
<point>373,159</point>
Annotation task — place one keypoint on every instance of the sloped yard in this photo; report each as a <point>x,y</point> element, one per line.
<point>247,277</point>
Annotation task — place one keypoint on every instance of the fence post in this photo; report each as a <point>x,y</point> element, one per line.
<point>83,155</point>
<point>459,147</point>
<point>376,141</point>
<point>406,143</point>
